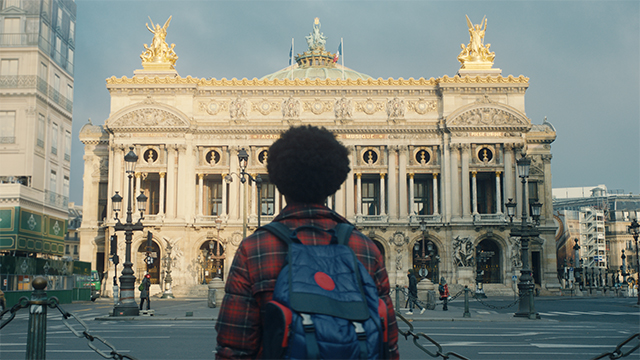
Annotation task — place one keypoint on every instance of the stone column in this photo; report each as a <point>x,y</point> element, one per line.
<point>234,187</point>
<point>330,201</point>
<point>446,171</point>
<point>136,192</point>
<point>393,183</point>
<point>200,194</point>
<point>382,195</point>
<point>412,204</point>
<point>498,194</point>
<point>186,184</point>
<point>276,202</point>
<point>435,194</point>
<point>509,190</point>
<point>359,194</point>
<point>474,189</point>
<point>455,182</point>
<point>162,190</point>
<point>349,196</point>
<point>254,199</point>
<point>172,163</point>
<point>340,198</point>
<point>223,212</point>
<point>402,186</point>
<point>466,211</point>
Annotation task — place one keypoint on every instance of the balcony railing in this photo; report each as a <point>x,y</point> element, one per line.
<point>429,219</point>
<point>56,199</point>
<point>18,81</point>
<point>19,39</point>
<point>33,81</point>
<point>7,139</point>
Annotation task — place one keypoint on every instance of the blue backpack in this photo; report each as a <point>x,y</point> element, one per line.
<point>325,304</point>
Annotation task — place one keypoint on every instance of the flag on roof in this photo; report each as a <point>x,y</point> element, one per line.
<point>335,58</point>
<point>291,52</point>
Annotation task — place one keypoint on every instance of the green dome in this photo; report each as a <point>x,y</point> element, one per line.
<point>312,72</point>
<point>316,63</point>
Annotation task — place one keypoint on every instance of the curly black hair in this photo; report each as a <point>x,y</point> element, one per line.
<point>307,164</point>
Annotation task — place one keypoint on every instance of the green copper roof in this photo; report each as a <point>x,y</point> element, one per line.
<point>316,63</point>
<point>334,72</point>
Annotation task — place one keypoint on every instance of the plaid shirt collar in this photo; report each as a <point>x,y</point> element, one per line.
<point>295,211</point>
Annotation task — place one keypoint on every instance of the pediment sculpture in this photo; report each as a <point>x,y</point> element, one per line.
<point>148,117</point>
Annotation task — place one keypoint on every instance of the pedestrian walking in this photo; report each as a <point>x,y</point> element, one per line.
<point>144,291</point>
<point>443,289</point>
<point>413,292</point>
<point>307,164</point>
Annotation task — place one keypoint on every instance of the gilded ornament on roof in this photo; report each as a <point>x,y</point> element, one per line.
<point>159,56</point>
<point>316,40</point>
<point>476,55</point>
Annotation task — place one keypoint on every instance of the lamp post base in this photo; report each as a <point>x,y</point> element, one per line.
<point>126,310</point>
<point>526,307</point>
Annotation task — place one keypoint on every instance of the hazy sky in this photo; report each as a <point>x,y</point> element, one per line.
<point>582,58</point>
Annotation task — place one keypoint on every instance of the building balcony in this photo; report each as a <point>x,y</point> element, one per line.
<point>18,39</point>
<point>415,220</point>
<point>14,192</point>
<point>372,219</point>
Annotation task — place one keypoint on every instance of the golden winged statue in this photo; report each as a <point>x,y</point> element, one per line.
<point>476,54</point>
<point>159,52</point>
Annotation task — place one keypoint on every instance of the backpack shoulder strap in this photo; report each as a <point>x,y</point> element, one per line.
<point>343,233</point>
<point>281,231</point>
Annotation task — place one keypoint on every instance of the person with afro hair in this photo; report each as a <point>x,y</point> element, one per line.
<point>307,164</point>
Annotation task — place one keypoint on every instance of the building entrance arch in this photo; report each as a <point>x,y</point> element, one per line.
<point>211,260</point>
<point>488,255</point>
<point>148,261</point>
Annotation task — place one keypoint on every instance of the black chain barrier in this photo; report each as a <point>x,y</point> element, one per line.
<point>618,353</point>
<point>417,336</point>
<point>422,303</point>
<point>52,302</point>
<point>501,307</point>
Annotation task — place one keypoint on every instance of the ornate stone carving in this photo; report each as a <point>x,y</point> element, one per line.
<point>422,106</point>
<point>398,239</point>
<point>265,107</point>
<point>399,258</point>
<point>236,238</point>
<point>317,106</point>
<point>476,55</point>
<point>149,117</point>
<point>343,108</point>
<point>463,251</point>
<point>239,109</point>
<point>213,107</point>
<point>369,106</point>
<point>395,108</point>
<point>291,108</point>
<point>486,116</point>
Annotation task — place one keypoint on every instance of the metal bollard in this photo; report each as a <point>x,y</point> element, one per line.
<point>37,332</point>
<point>397,297</point>
<point>466,302</point>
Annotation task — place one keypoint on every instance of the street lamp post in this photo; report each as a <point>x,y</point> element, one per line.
<point>526,231</point>
<point>243,160</point>
<point>127,305</point>
<point>634,230</point>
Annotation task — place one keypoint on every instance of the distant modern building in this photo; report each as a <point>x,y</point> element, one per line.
<point>37,41</point>
<point>617,210</point>
<point>437,152</point>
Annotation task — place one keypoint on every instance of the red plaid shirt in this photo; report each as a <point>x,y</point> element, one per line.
<point>257,263</point>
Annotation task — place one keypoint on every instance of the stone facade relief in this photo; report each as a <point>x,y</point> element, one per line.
<point>463,251</point>
<point>291,108</point>
<point>343,109</point>
<point>422,106</point>
<point>239,109</point>
<point>516,253</point>
<point>148,117</point>
<point>395,108</point>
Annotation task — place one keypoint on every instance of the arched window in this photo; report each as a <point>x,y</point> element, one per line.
<point>211,261</point>
<point>488,261</point>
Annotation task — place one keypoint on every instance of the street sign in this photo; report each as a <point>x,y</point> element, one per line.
<point>514,278</point>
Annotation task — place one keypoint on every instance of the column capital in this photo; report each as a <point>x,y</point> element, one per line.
<point>358,175</point>
<point>200,176</point>
<point>466,147</point>
<point>474,173</point>
<point>162,174</point>
<point>547,158</point>
<point>382,175</point>
<point>498,173</point>
<point>435,175</point>
<point>411,175</point>
<point>138,174</point>
<point>508,146</point>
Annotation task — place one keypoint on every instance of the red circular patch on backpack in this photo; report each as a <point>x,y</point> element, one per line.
<point>324,281</point>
